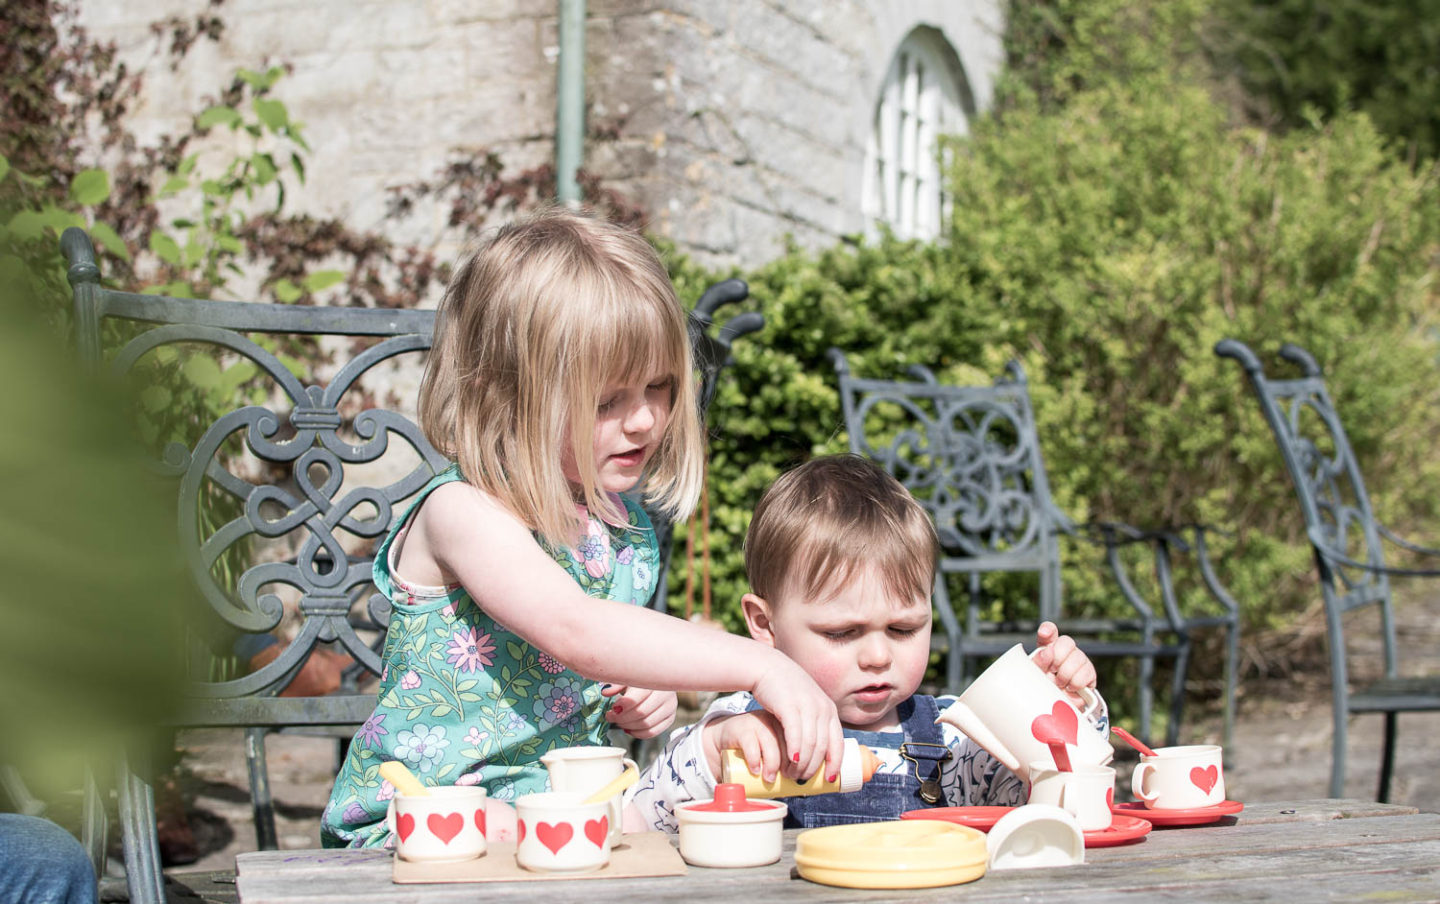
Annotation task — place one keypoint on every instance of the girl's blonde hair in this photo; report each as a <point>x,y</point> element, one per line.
<point>820,525</point>
<point>534,326</point>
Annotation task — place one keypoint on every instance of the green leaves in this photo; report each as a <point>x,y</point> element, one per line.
<point>90,187</point>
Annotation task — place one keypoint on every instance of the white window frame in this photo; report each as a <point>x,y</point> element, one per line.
<point>919,101</point>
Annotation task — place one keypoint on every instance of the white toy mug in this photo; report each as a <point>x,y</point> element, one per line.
<point>557,832</point>
<point>1180,778</point>
<point>1086,792</point>
<point>1014,703</point>
<point>448,824</point>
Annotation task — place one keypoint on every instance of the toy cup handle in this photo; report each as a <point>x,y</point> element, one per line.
<point>390,816</point>
<point>1137,781</point>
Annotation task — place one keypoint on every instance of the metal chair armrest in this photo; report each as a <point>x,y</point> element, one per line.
<point>1323,547</point>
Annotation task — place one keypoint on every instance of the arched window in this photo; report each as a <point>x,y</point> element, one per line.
<point>920,100</point>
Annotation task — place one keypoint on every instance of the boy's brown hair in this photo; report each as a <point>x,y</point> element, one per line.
<point>822,523</point>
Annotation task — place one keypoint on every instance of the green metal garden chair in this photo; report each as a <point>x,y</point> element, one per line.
<point>971,456</point>
<point>311,474</point>
<point>1349,546</point>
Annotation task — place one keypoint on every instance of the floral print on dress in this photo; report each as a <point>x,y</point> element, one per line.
<point>463,700</point>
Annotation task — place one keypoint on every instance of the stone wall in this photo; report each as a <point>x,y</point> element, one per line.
<point>739,121</point>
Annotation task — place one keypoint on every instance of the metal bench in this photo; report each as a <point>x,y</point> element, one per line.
<point>287,496</point>
<point>1349,546</point>
<point>971,456</point>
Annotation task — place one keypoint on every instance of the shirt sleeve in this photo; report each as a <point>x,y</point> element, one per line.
<point>680,772</point>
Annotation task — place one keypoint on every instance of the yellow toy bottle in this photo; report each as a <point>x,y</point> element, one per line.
<point>857,766</point>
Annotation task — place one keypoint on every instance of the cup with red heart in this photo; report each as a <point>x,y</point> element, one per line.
<point>558,832</point>
<point>1180,778</point>
<point>446,824</point>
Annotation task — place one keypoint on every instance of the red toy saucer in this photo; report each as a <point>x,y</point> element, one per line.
<point>981,818</point>
<point>1123,830</point>
<point>1195,816</point>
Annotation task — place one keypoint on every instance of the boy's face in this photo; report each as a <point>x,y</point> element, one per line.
<point>866,649</point>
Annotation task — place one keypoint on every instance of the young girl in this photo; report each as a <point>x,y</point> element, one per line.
<point>559,379</point>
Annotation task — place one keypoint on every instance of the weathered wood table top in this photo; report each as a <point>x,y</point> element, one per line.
<point>1297,851</point>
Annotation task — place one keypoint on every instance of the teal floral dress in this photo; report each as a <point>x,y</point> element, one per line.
<point>462,700</point>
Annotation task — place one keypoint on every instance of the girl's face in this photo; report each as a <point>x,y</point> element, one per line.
<point>629,424</point>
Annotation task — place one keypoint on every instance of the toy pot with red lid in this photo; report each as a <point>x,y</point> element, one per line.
<point>730,831</point>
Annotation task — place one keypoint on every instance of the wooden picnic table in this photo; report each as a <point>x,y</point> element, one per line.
<point>1306,851</point>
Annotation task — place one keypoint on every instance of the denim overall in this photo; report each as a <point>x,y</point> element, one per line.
<point>886,795</point>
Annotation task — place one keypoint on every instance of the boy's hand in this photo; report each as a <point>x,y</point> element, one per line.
<point>1066,663</point>
<point>756,735</point>
<point>638,711</point>
<point>809,723</point>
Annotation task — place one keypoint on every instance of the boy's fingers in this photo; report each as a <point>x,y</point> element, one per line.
<point>771,756</point>
<point>610,690</point>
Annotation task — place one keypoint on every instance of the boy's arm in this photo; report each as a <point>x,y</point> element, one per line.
<point>680,773</point>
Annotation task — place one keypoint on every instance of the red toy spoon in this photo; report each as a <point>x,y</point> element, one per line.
<point>1133,741</point>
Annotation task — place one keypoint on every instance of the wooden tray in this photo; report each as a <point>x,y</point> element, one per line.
<point>639,855</point>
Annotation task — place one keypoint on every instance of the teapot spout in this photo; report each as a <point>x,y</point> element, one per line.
<point>963,718</point>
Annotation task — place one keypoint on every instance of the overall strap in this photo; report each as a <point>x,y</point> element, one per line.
<point>925,749</point>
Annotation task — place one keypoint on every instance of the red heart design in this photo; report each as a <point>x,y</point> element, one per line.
<point>1204,779</point>
<point>445,827</point>
<point>404,824</point>
<point>1061,725</point>
<point>597,829</point>
<point>554,836</point>
<point>1109,798</point>
<point>480,820</point>
<point>521,837</point>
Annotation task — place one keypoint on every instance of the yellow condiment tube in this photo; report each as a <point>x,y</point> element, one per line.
<point>856,767</point>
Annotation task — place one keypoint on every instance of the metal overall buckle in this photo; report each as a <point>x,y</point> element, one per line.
<point>937,755</point>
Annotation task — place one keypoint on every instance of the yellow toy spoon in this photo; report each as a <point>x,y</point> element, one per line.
<point>613,787</point>
<point>403,779</point>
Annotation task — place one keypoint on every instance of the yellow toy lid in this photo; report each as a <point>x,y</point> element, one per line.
<point>910,854</point>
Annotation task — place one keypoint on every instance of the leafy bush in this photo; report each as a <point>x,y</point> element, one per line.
<point>1108,242</point>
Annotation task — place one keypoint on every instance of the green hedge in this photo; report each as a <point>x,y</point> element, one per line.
<point>1108,243</point>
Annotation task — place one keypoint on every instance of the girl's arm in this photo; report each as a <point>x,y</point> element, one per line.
<point>474,540</point>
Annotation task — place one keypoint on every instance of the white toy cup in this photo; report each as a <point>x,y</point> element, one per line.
<point>446,825</point>
<point>587,770</point>
<point>1086,793</point>
<point>1014,703</point>
<point>1180,778</point>
<point>557,832</point>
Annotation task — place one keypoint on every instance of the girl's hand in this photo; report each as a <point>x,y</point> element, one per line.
<point>756,735</point>
<point>1066,663</point>
<point>808,720</point>
<point>639,712</point>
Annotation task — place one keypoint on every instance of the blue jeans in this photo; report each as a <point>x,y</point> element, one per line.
<point>41,863</point>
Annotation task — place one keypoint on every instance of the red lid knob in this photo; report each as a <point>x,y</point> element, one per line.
<point>730,798</point>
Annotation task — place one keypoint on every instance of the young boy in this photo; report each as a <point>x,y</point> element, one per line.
<point>841,561</point>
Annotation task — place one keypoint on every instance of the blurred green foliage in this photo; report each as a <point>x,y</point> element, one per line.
<point>1301,59</point>
<point>90,652</point>
<point>1110,224</point>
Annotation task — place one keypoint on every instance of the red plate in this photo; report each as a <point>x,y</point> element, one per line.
<point>1123,830</point>
<point>1196,816</point>
<point>981,818</point>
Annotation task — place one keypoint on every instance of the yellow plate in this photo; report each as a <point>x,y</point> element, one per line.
<point>909,854</point>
